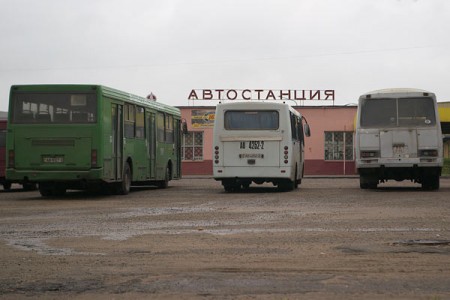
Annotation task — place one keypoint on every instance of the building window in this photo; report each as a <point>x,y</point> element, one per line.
<point>337,143</point>
<point>192,148</point>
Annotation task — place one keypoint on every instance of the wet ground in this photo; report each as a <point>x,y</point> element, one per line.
<point>327,240</point>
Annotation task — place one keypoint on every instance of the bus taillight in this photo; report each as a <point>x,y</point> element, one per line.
<point>216,154</point>
<point>286,154</point>
<point>428,153</point>
<point>11,159</point>
<point>93,158</point>
<point>370,154</point>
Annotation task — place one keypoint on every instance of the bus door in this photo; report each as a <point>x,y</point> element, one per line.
<point>117,140</point>
<point>151,137</point>
<point>398,143</point>
<point>177,148</point>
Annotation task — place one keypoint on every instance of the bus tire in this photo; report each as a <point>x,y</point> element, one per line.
<point>366,182</point>
<point>431,182</point>
<point>228,188</point>
<point>45,189</point>
<point>29,186</point>
<point>163,184</point>
<point>245,185</point>
<point>231,185</point>
<point>296,181</point>
<point>123,188</point>
<point>59,190</point>
<point>286,185</point>
<point>7,185</point>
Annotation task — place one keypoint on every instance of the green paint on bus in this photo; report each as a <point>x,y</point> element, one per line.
<point>90,136</point>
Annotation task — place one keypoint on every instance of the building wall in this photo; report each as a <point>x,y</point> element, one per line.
<point>203,167</point>
<point>320,119</point>
<point>327,119</point>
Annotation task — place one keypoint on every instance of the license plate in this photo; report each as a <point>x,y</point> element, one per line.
<point>53,159</point>
<point>251,155</point>
<point>258,145</point>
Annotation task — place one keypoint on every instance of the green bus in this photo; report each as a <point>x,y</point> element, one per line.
<point>90,137</point>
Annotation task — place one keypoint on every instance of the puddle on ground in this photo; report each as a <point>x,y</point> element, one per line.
<point>422,242</point>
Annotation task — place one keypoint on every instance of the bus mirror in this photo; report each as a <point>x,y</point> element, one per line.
<point>307,130</point>
<point>184,128</point>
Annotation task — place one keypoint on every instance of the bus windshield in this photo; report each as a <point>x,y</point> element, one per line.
<point>401,112</point>
<point>59,108</point>
<point>251,120</point>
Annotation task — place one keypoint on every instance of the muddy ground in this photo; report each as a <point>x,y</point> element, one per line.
<point>327,240</point>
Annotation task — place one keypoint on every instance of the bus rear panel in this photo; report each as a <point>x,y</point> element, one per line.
<point>398,137</point>
<point>258,142</point>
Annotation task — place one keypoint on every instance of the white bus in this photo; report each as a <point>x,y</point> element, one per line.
<point>258,142</point>
<point>398,136</point>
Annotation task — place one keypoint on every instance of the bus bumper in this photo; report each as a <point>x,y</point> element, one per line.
<point>54,176</point>
<point>399,163</point>
<point>253,172</point>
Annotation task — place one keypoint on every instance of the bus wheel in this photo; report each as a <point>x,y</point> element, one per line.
<point>123,188</point>
<point>431,182</point>
<point>366,182</point>
<point>231,188</point>
<point>363,184</point>
<point>296,181</point>
<point>165,183</point>
<point>286,185</point>
<point>230,185</point>
<point>45,189</point>
<point>59,191</point>
<point>7,186</point>
<point>29,186</point>
<point>246,185</point>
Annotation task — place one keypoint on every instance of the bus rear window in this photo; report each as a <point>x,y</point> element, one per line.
<point>252,120</point>
<point>401,112</point>
<point>57,108</point>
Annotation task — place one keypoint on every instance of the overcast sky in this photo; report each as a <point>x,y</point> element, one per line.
<point>169,47</point>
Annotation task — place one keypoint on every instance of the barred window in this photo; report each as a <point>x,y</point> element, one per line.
<point>192,148</point>
<point>338,144</point>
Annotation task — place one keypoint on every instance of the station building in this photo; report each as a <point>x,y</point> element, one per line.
<point>329,151</point>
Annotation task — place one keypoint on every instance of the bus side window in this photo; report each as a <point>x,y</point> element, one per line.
<point>160,127</point>
<point>294,127</point>
<point>300,130</point>
<point>169,129</point>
